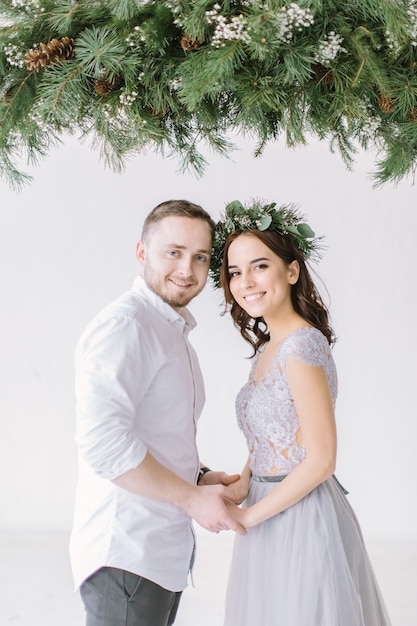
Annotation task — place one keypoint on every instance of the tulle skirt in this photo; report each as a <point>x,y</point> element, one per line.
<point>307,566</point>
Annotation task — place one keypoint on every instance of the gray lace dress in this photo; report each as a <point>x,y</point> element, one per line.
<point>307,566</point>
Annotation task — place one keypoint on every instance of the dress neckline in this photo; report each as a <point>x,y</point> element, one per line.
<point>272,368</point>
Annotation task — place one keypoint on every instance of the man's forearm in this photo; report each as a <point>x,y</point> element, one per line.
<point>153,480</point>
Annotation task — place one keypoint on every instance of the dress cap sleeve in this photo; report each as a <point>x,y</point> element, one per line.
<point>306,344</point>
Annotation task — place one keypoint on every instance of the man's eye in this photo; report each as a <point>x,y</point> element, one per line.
<point>201,258</point>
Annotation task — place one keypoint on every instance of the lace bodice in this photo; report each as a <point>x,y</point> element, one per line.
<point>265,409</point>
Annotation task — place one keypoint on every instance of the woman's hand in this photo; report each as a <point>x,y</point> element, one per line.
<point>241,516</point>
<point>238,491</point>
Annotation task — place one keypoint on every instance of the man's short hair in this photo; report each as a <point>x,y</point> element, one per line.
<point>179,208</point>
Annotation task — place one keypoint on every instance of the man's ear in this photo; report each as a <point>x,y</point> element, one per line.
<point>141,252</point>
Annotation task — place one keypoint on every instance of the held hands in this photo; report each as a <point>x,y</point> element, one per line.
<point>218,478</point>
<point>221,493</point>
<point>210,508</point>
<point>238,490</point>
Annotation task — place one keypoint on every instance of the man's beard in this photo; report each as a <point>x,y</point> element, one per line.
<point>177,301</point>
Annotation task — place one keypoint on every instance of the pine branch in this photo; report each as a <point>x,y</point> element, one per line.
<point>124,10</point>
<point>70,18</point>
<point>208,72</point>
<point>13,174</point>
<point>398,162</point>
<point>172,75</point>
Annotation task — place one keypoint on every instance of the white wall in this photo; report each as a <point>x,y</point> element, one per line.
<point>67,247</point>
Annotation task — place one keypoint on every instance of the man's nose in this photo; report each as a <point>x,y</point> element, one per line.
<point>186,266</point>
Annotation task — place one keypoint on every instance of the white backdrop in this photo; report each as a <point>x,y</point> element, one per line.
<point>67,246</point>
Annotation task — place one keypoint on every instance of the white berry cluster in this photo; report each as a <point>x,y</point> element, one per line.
<point>37,118</point>
<point>14,56</point>
<point>226,29</point>
<point>370,123</point>
<point>293,19</point>
<point>329,48</point>
<point>33,6</point>
<point>244,221</point>
<point>175,8</point>
<point>109,113</point>
<point>371,126</point>
<point>127,98</point>
<point>176,83</point>
<point>412,14</point>
<point>136,37</point>
<point>392,43</point>
<point>119,118</point>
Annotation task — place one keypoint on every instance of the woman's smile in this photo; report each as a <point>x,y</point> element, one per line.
<point>254,296</point>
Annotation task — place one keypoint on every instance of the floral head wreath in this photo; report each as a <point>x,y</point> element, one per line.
<point>285,220</point>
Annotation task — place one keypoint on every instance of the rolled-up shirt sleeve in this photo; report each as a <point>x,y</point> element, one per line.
<point>113,371</point>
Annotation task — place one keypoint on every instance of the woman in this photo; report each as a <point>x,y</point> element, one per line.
<point>303,561</point>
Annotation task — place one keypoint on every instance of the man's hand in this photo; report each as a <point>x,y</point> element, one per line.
<point>207,506</point>
<point>218,478</point>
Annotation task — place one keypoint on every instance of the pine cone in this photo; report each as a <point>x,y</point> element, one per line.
<point>187,43</point>
<point>413,115</point>
<point>104,86</point>
<point>386,104</point>
<point>49,53</point>
<point>323,74</point>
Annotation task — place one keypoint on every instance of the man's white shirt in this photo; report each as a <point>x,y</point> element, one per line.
<point>139,388</point>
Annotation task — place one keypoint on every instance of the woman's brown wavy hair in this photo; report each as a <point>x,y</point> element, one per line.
<point>305,297</point>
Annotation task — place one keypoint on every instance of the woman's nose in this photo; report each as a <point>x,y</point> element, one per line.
<point>247,281</point>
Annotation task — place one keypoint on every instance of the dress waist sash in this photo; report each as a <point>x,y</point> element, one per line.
<point>269,479</point>
<point>280,477</point>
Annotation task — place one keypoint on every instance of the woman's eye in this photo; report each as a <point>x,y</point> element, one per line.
<point>233,274</point>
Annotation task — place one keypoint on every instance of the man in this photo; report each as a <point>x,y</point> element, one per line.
<point>139,394</point>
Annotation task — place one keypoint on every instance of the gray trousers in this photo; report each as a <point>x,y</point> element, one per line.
<point>114,597</point>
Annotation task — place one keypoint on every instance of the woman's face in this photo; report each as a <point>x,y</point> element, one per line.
<point>260,281</point>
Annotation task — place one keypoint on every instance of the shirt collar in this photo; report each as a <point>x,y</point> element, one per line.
<point>184,318</point>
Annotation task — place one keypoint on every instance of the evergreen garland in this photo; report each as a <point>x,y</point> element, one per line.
<point>170,74</point>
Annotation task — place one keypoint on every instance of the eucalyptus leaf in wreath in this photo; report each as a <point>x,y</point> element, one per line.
<point>305,231</point>
<point>264,222</point>
<point>174,76</point>
<point>234,208</point>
